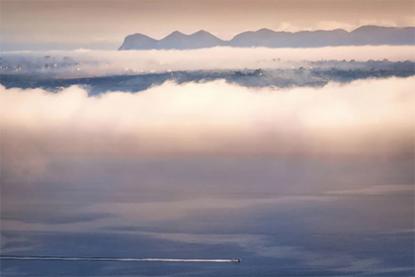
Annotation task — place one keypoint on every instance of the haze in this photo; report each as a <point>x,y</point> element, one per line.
<point>44,24</point>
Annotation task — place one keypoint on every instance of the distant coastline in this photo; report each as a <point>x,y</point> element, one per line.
<point>364,35</point>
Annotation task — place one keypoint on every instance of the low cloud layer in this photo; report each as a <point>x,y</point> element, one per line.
<point>371,117</point>
<point>95,63</point>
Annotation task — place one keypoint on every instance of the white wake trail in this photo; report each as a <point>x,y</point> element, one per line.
<point>98,259</point>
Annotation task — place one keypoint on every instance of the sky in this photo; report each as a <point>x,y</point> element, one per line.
<point>72,24</point>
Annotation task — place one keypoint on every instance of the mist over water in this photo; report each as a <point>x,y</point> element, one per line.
<point>90,63</point>
<point>296,180</point>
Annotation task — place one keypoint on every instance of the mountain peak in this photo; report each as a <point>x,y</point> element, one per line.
<point>265,30</point>
<point>175,34</point>
<point>137,41</point>
<point>201,32</point>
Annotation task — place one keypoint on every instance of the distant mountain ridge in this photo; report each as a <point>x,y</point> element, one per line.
<point>364,35</point>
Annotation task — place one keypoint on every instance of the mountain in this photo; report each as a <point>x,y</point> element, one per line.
<point>269,38</point>
<point>175,40</point>
<point>200,39</point>
<point>138,41</point>
<point>380,35</point>
<point>365,35</point>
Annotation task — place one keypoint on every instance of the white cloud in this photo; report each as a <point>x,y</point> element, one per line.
<point>370,117</point>
<point>96,62</point>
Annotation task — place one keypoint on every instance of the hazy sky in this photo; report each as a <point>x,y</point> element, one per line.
<point>35,24</point>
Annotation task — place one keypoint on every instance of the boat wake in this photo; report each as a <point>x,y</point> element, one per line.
<point>116,259</point>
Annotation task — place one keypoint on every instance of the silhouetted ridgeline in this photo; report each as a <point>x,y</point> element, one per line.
<point>365,35</point>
